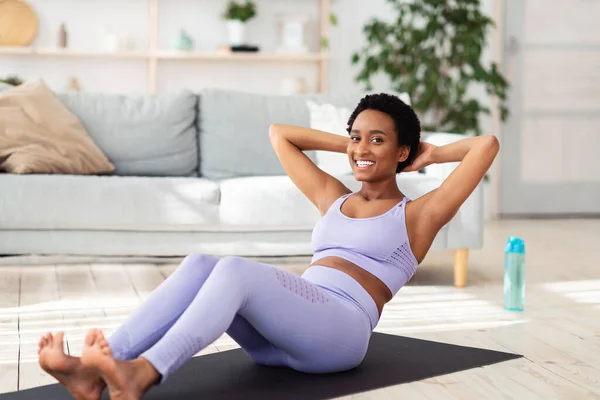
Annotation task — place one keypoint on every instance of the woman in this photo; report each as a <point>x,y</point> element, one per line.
<point>367,245</point>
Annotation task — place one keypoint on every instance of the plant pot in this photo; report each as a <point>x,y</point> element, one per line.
<point>236,32</point>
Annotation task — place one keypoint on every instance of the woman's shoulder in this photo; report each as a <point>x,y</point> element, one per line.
<point>332,196</point>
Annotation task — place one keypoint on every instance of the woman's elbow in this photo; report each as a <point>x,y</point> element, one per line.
<point>274,130</point>
<point>492,144</point>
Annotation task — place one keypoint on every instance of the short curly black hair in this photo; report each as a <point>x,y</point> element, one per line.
<point>406,121</point>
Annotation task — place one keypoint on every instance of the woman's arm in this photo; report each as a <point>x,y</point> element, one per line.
<point>486,146</point>
<point>475,155</point>
<point>289,142</point>
<point>307,139</point>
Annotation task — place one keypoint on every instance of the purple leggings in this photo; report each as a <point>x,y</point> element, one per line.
<point>318,323</point>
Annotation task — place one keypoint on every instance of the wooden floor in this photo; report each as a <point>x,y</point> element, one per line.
<point>558,334</point>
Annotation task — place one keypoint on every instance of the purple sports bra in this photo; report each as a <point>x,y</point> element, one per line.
<point>378,244</point>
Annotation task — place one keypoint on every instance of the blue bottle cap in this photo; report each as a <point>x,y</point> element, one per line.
<point>515,245</point>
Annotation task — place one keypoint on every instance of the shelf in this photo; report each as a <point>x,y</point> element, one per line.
<point>152,58</point>
<point>57,52</point>
<point>193,55</point>
<point>163,54</point>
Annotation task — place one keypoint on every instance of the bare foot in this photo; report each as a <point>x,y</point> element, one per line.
<point>126,380</point>
<point>82,382</point>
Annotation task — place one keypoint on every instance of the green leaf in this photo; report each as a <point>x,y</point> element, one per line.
<point>432,49</point>
<point>333,19</point>
<point>243,12</point>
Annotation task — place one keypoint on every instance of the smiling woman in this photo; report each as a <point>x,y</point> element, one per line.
<point>366,247</point>
<point>377,235</point>
<point>388,126</point>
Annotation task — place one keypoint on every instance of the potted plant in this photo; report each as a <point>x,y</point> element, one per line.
<point>237,14</point>
<point>432,50</point>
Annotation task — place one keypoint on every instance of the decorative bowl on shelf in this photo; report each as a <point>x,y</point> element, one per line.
<point>18,23</point>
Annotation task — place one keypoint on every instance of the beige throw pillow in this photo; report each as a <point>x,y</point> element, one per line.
<point>38,134</point>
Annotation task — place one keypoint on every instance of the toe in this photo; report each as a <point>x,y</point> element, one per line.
<point>89,337</point>
<point>92,337</point>
<point>97,336</point>
<point>58,340</point>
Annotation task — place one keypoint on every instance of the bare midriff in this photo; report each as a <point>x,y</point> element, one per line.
<point>374,286</point>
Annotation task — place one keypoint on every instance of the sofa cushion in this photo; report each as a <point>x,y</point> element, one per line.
<point>39,135</point>
<point>107,202</point>
<point>142,135</point>
<point>234,132</point>
<point>275,202</point>
<point>265,202</point>
<point>234,129</point>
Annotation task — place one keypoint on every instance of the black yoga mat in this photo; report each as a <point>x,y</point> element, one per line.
<point>228,375</point>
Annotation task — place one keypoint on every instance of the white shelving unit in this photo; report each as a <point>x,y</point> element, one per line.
<point>154,54</point>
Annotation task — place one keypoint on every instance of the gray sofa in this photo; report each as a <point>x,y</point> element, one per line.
<point>195,172</point>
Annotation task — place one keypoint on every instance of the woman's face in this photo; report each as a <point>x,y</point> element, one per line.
<point>373,151</point>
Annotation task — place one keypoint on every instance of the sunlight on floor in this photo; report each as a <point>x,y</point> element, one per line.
<point>74,317</point>
<point>415,309</point>
<point>66,305</point>
<point>429,309</point>
<point>582,292</point>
